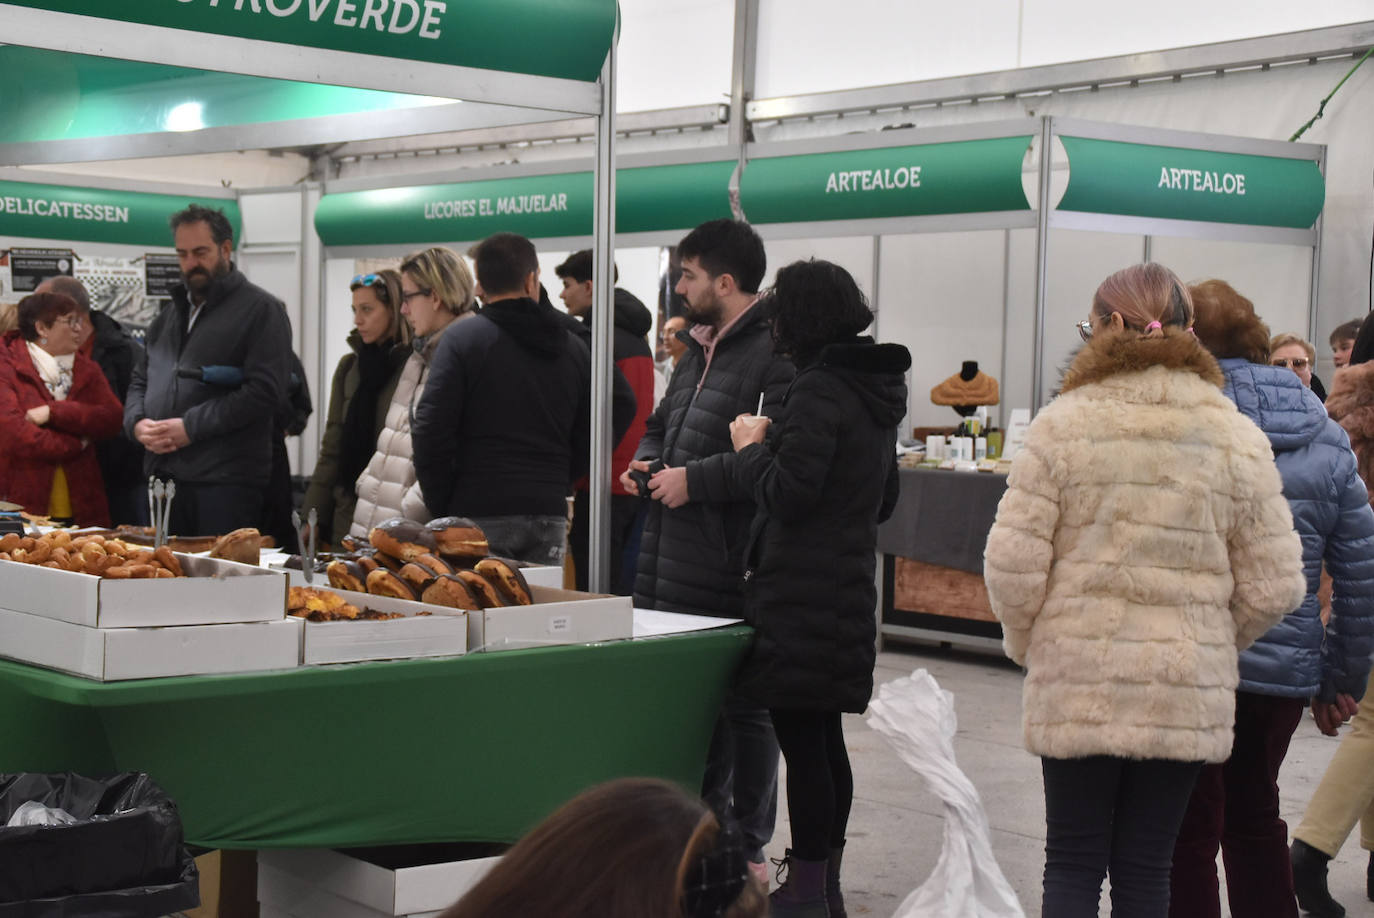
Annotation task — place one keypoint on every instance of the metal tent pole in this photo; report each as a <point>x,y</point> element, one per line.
<point>603,293</point>
<point>1042,239</point>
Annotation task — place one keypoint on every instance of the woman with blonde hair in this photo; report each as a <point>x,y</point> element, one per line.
<point>1299,355</point>
<point>436,289</point>
<point>631,848</point>
<point>1143,539</point>
<point>359,399</point>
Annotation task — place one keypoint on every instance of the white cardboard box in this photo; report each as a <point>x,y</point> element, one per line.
<point>213,592</point>
<point>443,633</point>
<point>306,883</point>
<point>112,654</point>
<point>557,616</point>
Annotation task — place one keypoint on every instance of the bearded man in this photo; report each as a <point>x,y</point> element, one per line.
<point>212,437</point>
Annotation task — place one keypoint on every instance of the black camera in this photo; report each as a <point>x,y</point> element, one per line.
<point>641,479</point>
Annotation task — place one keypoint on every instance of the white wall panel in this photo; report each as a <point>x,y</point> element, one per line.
<point>274,217</point>
<point>674,53</point>
<point>853,253</point>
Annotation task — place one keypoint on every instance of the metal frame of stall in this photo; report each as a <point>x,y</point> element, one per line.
<point>489,97</point>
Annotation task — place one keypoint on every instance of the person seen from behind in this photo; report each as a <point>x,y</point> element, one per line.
<point>822,481</point>
<point>1142,541</point>
<point>1235,803</point>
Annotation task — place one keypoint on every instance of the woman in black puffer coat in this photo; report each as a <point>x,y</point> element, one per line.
<point>824,480</point>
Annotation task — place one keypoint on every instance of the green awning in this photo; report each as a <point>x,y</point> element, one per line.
<point>1142,180</point>
<point>968,176</point>
<point>555,38</point>
<point>648,199</point>
<point>53,95</point>
<point>67,213</point>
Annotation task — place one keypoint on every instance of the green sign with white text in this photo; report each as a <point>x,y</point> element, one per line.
<point>648,198</point>
<point>968,176</point>
<point>1175,183</point>
<point>73,214</point>
<point>557,38</point>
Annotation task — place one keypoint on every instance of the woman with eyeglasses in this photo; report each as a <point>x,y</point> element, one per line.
<point>54,403</point>
<point>1143,540</point>
<point>1298,662</point>
<point>364,383</point>
<point>435,290</point>
<point>1297,354</point>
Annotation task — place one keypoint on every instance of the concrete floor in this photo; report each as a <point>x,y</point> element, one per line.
<point>895,830</point>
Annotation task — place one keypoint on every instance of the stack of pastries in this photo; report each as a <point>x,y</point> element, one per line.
<point>90,554</point>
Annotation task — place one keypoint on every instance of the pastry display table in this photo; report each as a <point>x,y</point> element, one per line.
<point>472,748</point>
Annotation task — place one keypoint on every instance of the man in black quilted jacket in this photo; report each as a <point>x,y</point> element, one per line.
<point>692,555</point>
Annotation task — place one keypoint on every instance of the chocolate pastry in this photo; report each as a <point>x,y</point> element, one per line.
<point>459,537</point>
<point>450,591</point>
<point>241,545</point>
<point>387,562</point>
<point>506,577</point>
<point>417,575</point>
<point>402,538</point>
<point>386,583</point>
<point>481,588</point>
<point>435,563</point>
<point>346,575</point>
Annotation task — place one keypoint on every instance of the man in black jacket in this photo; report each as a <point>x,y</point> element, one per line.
<point>692,555</point>
<point>504,425</point>
<point>214,441</point>
<point>116,352</point>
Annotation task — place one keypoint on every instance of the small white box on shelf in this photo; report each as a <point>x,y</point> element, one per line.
<point>557,616</point>
<point>214,592</point>
<point>321,883</point>
<point>114,654</point>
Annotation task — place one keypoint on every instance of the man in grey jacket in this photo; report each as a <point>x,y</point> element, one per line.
<point>213,438</point>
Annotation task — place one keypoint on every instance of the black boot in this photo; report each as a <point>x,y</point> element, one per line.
<point>1369,878</point>
<point>834,898</point>
<point>802,894</point>
<point>1309,882</point>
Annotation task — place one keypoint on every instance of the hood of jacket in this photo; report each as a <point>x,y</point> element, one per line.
<point>631,314</point>
<point>537,327</point>
<point>876,372</point>
<point>1289,413</point>
<point>1110,355</point>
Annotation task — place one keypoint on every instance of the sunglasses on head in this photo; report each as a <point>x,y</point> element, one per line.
<point>371,280</point>
<point>1297,363</point>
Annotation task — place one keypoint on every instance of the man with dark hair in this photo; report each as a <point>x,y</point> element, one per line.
<point>503,427</point>
<point>634,360</point>
<point>115,351</point>
<point>1342,340</point>
<point>692,555</point>
<point>214,441</point>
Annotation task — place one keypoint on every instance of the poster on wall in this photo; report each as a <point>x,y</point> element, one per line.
<point>161,273</point>
<point>30,267</point>
<point>116,287</point>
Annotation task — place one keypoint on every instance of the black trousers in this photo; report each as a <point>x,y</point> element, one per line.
<point>214,509</point>
<point>820,783</point>
<point>625,516</point>
<point>1103,814</point>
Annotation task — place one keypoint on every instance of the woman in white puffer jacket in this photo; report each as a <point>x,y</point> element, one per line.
<point>436,291</point>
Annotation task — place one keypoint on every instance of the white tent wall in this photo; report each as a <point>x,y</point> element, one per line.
<point>877,42</point>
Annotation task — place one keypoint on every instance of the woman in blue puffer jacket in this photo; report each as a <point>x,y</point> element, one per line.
<point>1298,661</point>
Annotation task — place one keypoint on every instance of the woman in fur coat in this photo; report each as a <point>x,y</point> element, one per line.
<point>1143,539</point>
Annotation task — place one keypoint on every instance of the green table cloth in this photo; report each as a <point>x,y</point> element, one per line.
<point>473,748</point>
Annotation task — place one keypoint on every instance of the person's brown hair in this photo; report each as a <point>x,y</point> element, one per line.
<point>614,851</point>
<point>387,289</point>
<point>1346,331</point>
<point>1226,323</point>
<point>1145,294</point>
<point>42,307</point>
<point>1286,338</point>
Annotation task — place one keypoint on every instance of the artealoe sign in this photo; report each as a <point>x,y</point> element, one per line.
<point>939,178</point>
<point>1141,180</point>
<point>569,38</point>
<point>95,215</point>
<point>647,198</point>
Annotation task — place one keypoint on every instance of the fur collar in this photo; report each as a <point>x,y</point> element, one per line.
<point>1352,392</point>
<point>1108,355</point>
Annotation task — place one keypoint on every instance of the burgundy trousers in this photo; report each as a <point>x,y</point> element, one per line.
<point>1235,806</point>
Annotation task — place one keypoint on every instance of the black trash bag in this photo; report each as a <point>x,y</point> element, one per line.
<point>124,856</point>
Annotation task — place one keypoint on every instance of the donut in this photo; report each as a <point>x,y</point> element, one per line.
<point>163,555</point>
<point>402,538</point>
<point>450,591</point>
<point>459,537</point>
<point>505,576</point>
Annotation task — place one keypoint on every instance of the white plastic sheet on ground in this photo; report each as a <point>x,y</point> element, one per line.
<point>917,717</point>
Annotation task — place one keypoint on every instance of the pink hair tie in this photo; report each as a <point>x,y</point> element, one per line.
<point>1154,325</point>
<point>1191,332</point>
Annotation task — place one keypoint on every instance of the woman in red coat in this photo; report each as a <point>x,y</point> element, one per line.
<point>54,403</point>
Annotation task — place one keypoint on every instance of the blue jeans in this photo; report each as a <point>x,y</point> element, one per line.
<point>1105,813</point>
<point>741,780</point>
<point>528,537</point>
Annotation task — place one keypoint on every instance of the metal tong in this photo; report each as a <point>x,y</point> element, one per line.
<point>308,538</point>
<point>160,494</point>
